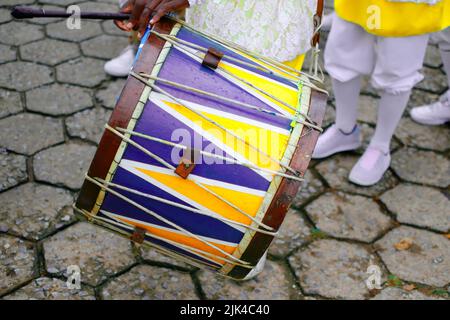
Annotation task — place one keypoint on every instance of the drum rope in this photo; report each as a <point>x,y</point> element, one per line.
<point>272,62</point>
<point>231,58</point>
<point>190,249</point>
<point>169,166</point>
<point>287,105</point>
<point>219,97</point>
<point>181,206</point>
<point>208,154</point>
<point>161,218</point>
<point>111,225</point>
<point>164,92</point>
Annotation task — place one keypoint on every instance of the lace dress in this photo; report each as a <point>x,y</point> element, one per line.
<point>280,29</point>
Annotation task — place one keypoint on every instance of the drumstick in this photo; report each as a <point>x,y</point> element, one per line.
<point>28,12</point>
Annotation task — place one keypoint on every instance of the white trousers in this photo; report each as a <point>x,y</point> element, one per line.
<point>442,39</point>
<point>393,63</point>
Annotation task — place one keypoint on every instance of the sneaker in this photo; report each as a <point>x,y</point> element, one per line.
<point>371,167</point>
<point>334,140</point>
<point>121,65</point>
<point>433,114</point>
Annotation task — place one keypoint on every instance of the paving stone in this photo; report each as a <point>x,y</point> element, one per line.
<point>336,170</point>
<point>433,57</point>
<point>16,2</point>
<point>88,124</point>
<point>18,33</point>
<point>85,72</point>
<point>422,167</point>
<point>393,293</point>
<point>59,30</point>
<point>99,6</point>
<point>98,253</point>
<point>5,15</point>
<point>333,269</point>
<point>33,211</point>
<point>110,28</point>
<point>330,116</point>
<point>367,88</point>
<point>420,206</point>
<point>50,289</point>
<point>7,53</point>
<point>104,46</point>
<point>23,76</point>
<point>273,283</point>
<point>10,103</point>
<point>13,169</point>
<point>435,81</point>
<point>150,283</point>
<point>420,98</point>
<point>368,109</point>
<point>426,137</point>
<point>311,187</point>
<point>427,261</point>
<point>153,255</point>
<point>58,99</point>
<point>28,133</point>
<point>294,232</point>
<point>348,216</point>
<point>64,164</point>
<point>109,95</point>
<point>17,261</point>
<point>60,2</point>
<point>49,51</point>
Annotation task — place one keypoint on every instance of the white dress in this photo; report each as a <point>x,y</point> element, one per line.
<point>279,29</point>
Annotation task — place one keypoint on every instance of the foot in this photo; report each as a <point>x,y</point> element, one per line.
<point>121,65</point>
<point>433,114</point>
<point>334,140</point>
<point>371,167</point>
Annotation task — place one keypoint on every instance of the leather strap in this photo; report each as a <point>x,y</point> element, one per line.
<point>212,58</point>
<point>317,20</point>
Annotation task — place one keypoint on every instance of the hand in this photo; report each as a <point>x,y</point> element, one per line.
<point>141,11</point>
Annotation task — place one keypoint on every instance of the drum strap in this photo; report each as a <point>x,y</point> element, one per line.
<point>212,58</point>
<point>317,20</point>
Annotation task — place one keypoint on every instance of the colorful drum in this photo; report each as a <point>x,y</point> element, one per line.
<point>204,151</point>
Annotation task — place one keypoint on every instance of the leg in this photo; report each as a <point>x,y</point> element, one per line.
<point>438,112</point>
<point>396,72</point>
<point>348,55</point>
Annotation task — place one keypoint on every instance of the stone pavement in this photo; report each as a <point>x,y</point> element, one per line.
<point>54,100</point>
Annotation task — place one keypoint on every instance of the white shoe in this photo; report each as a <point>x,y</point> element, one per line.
<point>121,65</point>
<point>371,167</point>
<point>327,21</point>
<point>334,140</point>
<point>433,114</point>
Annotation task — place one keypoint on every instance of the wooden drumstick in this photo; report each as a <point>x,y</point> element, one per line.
<point>28,12</point>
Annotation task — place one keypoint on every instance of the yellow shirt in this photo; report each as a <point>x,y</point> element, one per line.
<point>395,19</point>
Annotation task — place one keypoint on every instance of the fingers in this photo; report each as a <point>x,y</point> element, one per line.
<point>145,16</point>
<point>139,6</point>
<point>126,8</point>
<point>168,6</point>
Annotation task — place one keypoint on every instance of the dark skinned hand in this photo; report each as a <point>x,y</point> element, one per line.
<point>142,10</point>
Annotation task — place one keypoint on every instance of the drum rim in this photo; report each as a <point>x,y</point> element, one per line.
<point>122,114</point>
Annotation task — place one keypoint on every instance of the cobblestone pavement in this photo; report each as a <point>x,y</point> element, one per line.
<point>54,100</point>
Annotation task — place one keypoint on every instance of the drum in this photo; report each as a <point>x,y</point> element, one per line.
<point>204,151</point>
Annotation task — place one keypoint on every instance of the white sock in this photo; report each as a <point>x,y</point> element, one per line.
<point>445,56</point>
<point>347,97</point>
<point>390,112</point>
